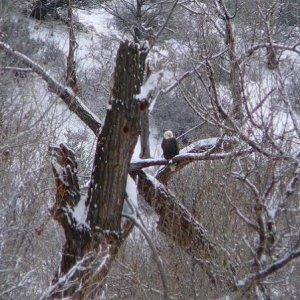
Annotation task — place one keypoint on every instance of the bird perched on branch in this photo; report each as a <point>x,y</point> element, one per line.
<point>169,145</point>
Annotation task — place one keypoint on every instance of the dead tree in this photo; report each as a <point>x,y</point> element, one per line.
<point>92,244</point>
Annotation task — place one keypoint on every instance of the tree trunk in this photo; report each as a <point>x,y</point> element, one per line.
<point>91,246</point>
<point>71,79</point>
<point>145,132</point>
<point>116,144</point>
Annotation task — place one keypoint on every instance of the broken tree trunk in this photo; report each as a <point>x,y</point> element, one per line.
<point>116,144</point>
<point>67,197</point>
<point>94,238</point>
<point>178,224</point>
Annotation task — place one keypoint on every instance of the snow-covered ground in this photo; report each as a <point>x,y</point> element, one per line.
<point>98,21</point>
<point>98,24</point>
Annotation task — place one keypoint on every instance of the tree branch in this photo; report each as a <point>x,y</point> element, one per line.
<point>191,72</point>
<point>71,79</point>
<point>65,93</point>
<point>258,276</point>
<point>183,159</point>
<point>254,48</point>
<point>137,220</point>
<point>200,150</point>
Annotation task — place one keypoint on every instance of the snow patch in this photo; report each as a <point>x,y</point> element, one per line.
<point>99,21</point>
<point>131,192</point>
<point>200,144</point>
<point>149,86</point>
<point>80,213</point>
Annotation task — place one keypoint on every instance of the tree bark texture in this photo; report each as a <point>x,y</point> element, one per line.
<point>116,144</point>
<point>145,133</point>
<point>145,125</point>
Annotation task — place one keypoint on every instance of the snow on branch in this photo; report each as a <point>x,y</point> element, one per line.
<point>295,48</point>
<point>138,164</point>
<point>92,267</point>
<point>150,86</point>
<point>208,149</point>
<point>201,150</point>
<point>198,147</point>
<point>276,266</point>
<point>184,158</point>
<point>15,69</point>
<point>69,209</point>
<point>73,102</point>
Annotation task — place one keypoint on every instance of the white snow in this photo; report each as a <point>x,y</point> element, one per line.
<point>58,35</point>
<point>199,144</point>
<point>155,145</point>
<point>131,201</point>
<point>272,208</point>
<point>151,84</point>
<point>80,213</point>
<point>87,184</point>
<point>104,261</point>
<point>99,21</point>
<point>131,190</point>
<point>154,180</point>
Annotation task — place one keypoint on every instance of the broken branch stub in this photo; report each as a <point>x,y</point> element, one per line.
<point>64,167</point>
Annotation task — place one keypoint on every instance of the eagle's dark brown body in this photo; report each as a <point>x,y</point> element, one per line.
<point>170,147</point>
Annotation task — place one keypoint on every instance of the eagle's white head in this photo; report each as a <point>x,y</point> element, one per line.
<point>168,134</point>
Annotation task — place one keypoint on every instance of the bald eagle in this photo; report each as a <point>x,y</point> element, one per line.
<point>169,145</point>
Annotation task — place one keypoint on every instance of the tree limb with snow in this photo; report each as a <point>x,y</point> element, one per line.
<point>73,102</point>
